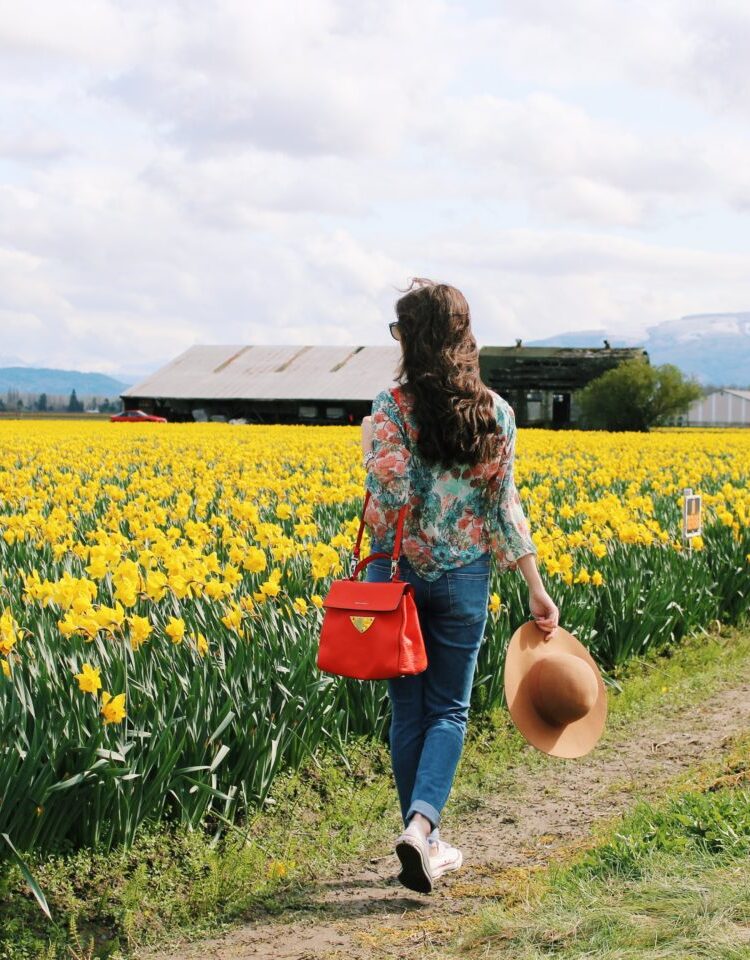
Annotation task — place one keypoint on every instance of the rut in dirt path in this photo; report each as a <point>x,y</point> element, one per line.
<point>364,912</point>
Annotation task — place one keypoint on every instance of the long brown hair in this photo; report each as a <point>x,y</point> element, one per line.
<point>439,368</point>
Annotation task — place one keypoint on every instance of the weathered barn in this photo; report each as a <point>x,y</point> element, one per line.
<point>722,408</point>
<point>540,382</point>
<point>311,384</point>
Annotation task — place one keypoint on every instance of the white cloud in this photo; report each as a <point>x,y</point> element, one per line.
<point>305,79</point>
<point>88,32</point>
<point>32,145</point>
<point>594,280</point>
<point>221,171</point>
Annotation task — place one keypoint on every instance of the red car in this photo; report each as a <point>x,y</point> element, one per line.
<point>136,416</point>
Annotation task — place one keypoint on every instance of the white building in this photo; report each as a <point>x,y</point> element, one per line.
<point>722,408</point>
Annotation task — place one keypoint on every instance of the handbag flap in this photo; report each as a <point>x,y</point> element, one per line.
<point>366,594</point>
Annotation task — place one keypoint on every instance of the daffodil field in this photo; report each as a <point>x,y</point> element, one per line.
<point>161,591</point>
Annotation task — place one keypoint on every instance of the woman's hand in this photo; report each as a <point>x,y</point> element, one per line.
<point>366,435</point>
<point>543,609</point>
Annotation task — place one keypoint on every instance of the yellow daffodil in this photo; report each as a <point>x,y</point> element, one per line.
<point>175,629</point>
<point>253,559</point>
<point>113,708</point>
<point>9,632</point>
<point>217,589</point>
<point>156,585</point>
<point>109,618</point>
<point>140,630</point>
<point>89,680</point>
<point>233,619</point>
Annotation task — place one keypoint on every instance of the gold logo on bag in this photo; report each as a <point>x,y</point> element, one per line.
<point>362,623</point>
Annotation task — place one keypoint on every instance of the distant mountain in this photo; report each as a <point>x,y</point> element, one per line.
<point>584,338</point>
<point>713,347</point>
<point>59,382</point>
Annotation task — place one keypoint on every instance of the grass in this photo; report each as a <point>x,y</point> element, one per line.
<point>681,908</point>
<point>668,880</point>
<point>329,812</point>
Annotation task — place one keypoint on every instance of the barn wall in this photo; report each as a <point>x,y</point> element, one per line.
<point>268,411</point>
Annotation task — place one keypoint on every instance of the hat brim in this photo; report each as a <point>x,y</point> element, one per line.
<point>573,739</point>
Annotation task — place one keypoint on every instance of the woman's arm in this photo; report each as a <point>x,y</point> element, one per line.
<point>366,437</point>
<point>388,470</point>
<point>527,565</point>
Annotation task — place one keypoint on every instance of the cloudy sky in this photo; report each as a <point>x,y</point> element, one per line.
<point>242,171</point>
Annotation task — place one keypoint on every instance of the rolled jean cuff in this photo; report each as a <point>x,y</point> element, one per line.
<point>427,810</point>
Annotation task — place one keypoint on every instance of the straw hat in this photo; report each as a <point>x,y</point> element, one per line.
<point>554,691</point>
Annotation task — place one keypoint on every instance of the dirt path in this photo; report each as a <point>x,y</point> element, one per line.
<point>364,912</point>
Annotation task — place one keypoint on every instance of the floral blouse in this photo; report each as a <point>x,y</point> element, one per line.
<point>454,515</point>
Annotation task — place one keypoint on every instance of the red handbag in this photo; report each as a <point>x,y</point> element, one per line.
<point>371,630</point>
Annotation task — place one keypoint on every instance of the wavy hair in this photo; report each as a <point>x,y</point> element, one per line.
<point>439,368</point>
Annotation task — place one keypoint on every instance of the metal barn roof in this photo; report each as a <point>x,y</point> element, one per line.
<point>243,372</point>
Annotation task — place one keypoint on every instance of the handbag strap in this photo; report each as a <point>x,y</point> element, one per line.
<point>396,543</point>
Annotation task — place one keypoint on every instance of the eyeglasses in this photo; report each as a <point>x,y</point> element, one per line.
<point>393,327</point>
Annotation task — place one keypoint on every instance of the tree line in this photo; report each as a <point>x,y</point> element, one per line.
<point>16,400</point>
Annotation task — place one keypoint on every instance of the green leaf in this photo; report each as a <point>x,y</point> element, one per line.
<point>16,857</point>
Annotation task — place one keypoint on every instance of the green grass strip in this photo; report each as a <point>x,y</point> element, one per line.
<point>669,880</point>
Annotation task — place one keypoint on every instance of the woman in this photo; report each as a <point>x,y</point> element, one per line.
<point>444,443</point>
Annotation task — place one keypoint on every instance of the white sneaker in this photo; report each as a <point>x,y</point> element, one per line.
<point>413,851</point>
<point>444,857</point>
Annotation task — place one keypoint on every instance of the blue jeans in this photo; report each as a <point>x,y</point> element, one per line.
<point>430,710</point>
